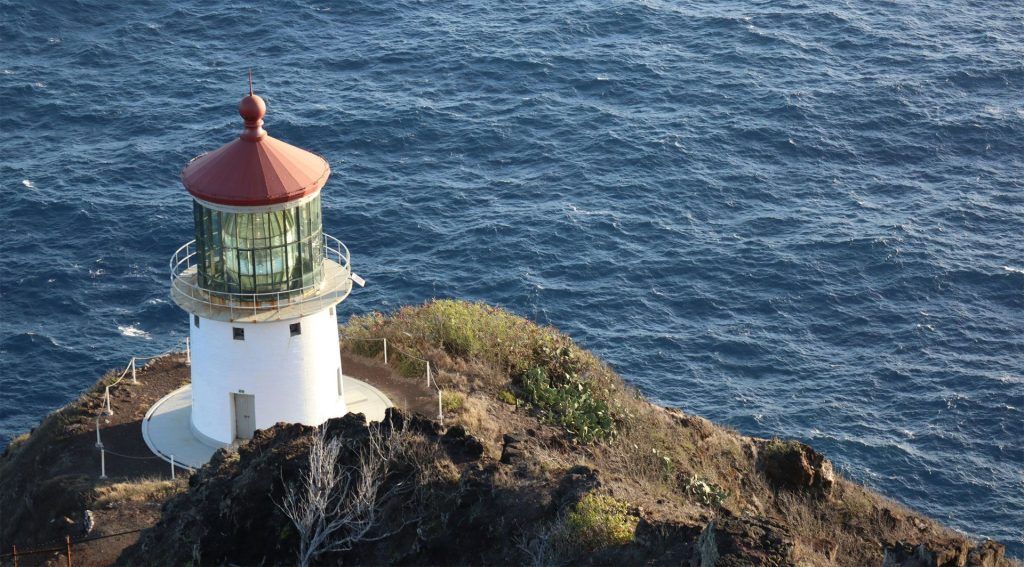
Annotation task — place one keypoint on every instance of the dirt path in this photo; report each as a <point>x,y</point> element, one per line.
<point>71,453</point>
<point>407,393</point>
<point>65,454</point>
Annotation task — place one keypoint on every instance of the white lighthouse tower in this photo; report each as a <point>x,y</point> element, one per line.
<point>260,283</point>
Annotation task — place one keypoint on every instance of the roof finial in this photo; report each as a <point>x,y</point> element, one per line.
<point>252,108</point>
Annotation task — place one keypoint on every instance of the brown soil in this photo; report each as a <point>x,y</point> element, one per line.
<point>411,394</point>
<point>47,481</point>
<point>491,484</point>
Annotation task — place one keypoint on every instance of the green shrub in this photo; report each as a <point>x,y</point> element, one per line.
<point>777,447</point>
<point>408,366</point>
<point>598,521</point>
<point>571,403</point>
<point>451,401</point>
<point>508,397</point>
<point>368,349</point>
<point>569,386</point>
<point>705,491</point>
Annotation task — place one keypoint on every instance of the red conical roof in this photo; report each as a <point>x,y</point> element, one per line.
<point>255,169</point>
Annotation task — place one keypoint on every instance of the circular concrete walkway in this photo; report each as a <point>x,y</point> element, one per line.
<point>167,431</point>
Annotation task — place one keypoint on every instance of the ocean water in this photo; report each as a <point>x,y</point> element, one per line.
<point>802,219</point>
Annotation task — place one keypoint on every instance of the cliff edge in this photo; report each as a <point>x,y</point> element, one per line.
<point>543,456</point>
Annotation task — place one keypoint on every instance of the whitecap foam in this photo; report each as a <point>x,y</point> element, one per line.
<point>133,331</point>
<point>28,183</point>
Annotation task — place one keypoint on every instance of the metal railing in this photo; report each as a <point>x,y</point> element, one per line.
<point>185,280</point>
<point>132,367</point>
<point>431,380</point>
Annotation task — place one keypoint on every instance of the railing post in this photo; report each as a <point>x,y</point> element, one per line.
<point>67,540</point>
<point>385,350</point>
<point>172,467</point>
<point>103,463</point>
<point>428,374</point>
<point>134,380</point>
<point>440,410</point>
<point>108,411</point>
<point>14,551</point>
<point>99,443</point>
<point>188,351</point>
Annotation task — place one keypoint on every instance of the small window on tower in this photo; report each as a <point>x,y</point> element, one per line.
<point>331,312</point>
<point>295,329</point>
<point>238,333</point>
<point>195,320</point>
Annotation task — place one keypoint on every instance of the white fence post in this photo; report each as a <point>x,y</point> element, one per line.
<point>440,411</point>
<point>99,443</point>
<point>172,467</point>
<point>385,350</point>
<point>428,374</point>
<point>103,463</point>
<point>134,381</point>
<point>108,411</point>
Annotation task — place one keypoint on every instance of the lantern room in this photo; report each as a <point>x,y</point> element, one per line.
<point>260,282</point>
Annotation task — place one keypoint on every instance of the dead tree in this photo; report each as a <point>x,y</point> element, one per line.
<point>334,506</point>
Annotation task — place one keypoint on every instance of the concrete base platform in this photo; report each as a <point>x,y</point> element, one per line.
<point>167,426</point>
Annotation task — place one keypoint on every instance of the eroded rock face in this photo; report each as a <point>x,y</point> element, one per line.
<point>461,445</point>
<point>954,553</point>
<point>742,542</point>
<point>795,465</point>
<point>511,450</point>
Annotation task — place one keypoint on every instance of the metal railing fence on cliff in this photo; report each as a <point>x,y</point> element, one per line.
<point>431,380</point>
<point>108,410</point>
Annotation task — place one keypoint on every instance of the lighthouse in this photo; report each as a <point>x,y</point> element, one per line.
<point>260,283</point>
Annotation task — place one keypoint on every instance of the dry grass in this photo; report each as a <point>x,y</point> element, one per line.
<point>478,417</point>
<point>17,442</point>
<point>514,373</point>
<point>452,401</point>
<point>142,490</point>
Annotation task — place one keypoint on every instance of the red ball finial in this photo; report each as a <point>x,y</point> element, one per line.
<point>252,109</point>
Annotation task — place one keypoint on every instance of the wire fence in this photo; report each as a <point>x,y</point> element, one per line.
<point>65,550</point>
<point>431,379</point>
<point>133,367</point>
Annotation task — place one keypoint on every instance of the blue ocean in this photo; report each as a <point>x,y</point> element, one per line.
<point>800,219</point>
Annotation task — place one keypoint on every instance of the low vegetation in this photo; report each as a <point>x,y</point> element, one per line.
<point>141,490</point>
<point>544,457</point>
<point>599,521</point>
<point>514,359</point>
<point>452,402</point>
<point>681,468</point>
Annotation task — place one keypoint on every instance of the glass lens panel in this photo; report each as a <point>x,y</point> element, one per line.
<point>259,252</point>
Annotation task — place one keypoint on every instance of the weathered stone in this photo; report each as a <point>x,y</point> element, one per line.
<point>88,522</point>
<point>455,432</point>
<point>511,450</point>
<point>395,417</point>
<point>987,554</point>
<point>743,542</point>
<point>952,553</point>
<point>473,447</point>
<point>576,482</point>
<point>792,464</point>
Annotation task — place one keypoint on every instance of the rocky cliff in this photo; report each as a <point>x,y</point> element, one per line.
<point>543,456</point>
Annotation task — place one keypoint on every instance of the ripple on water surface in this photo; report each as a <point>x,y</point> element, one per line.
<point>797,219</point>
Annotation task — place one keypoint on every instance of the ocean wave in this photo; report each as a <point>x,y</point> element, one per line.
<point>133,332</point>
<point>798,220</point>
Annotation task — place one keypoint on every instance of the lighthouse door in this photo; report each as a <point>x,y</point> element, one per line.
<point>245,415</point>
